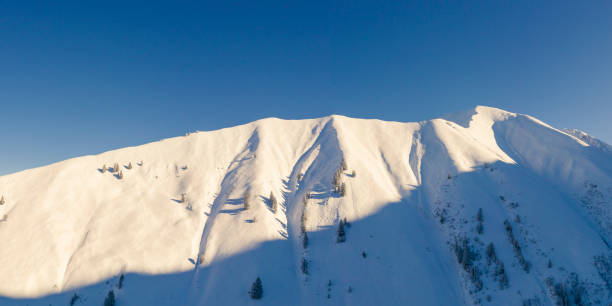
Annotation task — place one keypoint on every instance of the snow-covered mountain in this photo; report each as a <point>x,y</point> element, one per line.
<point>483,207</point>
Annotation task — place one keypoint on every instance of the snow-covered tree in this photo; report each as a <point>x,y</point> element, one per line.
<point>129,166</point>
<point>2,201</point>
<point>120,175</point>
<point>103,168</point>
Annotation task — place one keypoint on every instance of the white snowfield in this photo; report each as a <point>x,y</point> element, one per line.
<point>412,194</point>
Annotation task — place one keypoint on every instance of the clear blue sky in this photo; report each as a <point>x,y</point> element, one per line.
<point>79,78</point>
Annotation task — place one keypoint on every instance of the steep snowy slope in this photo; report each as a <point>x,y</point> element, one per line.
<point>482,207</point>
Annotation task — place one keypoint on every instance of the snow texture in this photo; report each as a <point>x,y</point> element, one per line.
<point>174,227</point>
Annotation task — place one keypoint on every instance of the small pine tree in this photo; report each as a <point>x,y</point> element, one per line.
<point>74,298</point>
<point>303,223</point>
<point>305,240</point>
<point>304,266</point>
<point>549,264</point>
<point>503,278</point>
<point>183,198</point>
<point>103,168</point>
<point>246,200</point>
<point>479,228</point>
<point>491,256</point>
<point>343,165</point>
<point>341,233</point>
<point>342,190</point>
<point>479,215</point>
<point>273,202</point>
<point>256,289</point>
<point>120,284</point>
<point>353,173</point>
<point>2,201</point>
<point>116,168</point>
<point>129,166</point>
<point>110,299</point>
<point>120,175</point>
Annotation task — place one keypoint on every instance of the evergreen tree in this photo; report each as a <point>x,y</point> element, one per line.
<point>103,168</point>
<point>129,166</point>
<point>303,223</point>
<point>246,200</point>
<point>304,266</point>
<point>2,201</point>
<point>73,300</point>
<point>337,178</point>
<point>183,198</point>
<point>501,273</point>
<point>479,228</point>
<point>120,175</point>
<point>305,240</point>
<point>343,165</point>
<point>120,285</point>
<point>110,299</point>
<point>116,168</point>
<point>273,202</point>
<point>256,290</point>
<point>341,234</point>
<point>342,190</point>
<point>491,256</point>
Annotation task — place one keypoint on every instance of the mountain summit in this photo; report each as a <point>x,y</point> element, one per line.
<point>481,207</point>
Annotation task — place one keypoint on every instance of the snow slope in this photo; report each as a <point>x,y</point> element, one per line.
<point>70,228</point>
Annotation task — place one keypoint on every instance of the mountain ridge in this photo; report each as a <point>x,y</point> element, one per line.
<point>80,225</point>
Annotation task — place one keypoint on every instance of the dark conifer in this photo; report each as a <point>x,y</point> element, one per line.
<point>256,289</point>
<point>110,299</point>
<point>273,202</point>
<point>341,234</point>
